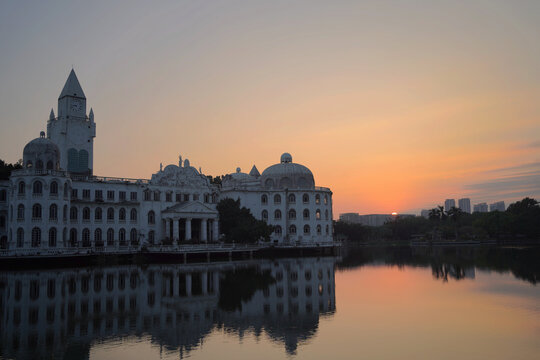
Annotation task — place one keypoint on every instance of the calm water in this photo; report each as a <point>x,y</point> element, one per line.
<point>369,303</point>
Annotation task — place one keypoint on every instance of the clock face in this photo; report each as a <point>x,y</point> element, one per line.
<point>76,105</point>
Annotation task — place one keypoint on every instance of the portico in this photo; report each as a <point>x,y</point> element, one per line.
<point>190,221</point>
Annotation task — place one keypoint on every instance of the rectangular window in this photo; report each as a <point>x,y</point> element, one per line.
<point>186,197</point>
<point>178,197</point>
<point>98,194</point>
<point>133,196</point>
<point>156,195</point>
<point>147,195</point>
<point>122,195</point>
<point>73,193</point>
<point>86,194</point>
<point>195,197</point>
<point>110,195</point>
<point>168,197</point>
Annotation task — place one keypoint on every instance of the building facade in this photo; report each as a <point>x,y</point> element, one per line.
<point>481,207</point>
<point>55,203</point>
<point>465,205</point>
<point>497,206</point>
<point>284,196</point>
<point>448,204</point>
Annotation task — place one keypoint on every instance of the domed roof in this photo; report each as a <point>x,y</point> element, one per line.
<point>239,175</point>
<point>287,174</point>
<point>41,146</point>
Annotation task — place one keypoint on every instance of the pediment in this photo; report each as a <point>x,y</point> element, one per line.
<point>193,207</point>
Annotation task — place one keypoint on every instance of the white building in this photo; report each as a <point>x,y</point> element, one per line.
<point>497,206</point>
<point>465,205</point>
<point>56,204</point>
<point>449,203</point>
<point>481,207</point>
<point>285,196</point>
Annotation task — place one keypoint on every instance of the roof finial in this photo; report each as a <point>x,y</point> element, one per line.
<point>179,160</point>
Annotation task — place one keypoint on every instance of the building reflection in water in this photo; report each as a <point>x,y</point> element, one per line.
<point>62,312</point>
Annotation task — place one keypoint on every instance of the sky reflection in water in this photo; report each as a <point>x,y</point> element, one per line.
<point>377,303</point>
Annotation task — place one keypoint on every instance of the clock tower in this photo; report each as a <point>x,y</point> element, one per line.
<point>73,130</point>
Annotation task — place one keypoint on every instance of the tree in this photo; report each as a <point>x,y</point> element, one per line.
<point>239,225</point>
<point>6,169</point>
<point>455,214</point>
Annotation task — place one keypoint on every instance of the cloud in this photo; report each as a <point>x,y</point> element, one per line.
<point>508,183</point>
<point>531,145</point>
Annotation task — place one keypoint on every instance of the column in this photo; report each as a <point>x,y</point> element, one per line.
<point>204,284</point>
<point>188,229</point>
<point>176,230</point>
<point>204,230</point>
<point>215,232</point>
<point>188,284</point>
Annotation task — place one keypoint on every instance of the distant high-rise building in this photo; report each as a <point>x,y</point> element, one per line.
<point>353,218</point>
<point>465,205</point>
<point>424,213</point>
<point>449,203</point>
<point>497,206</point>
<point>482,207</point>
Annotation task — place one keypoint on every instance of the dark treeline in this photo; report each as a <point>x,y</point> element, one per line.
<point>237,224</point>
<point>6,169</point>
<point>451,262</point>
<point>520,221</point>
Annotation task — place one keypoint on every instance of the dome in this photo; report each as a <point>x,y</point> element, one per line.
<point>41,154</point>
<point>239,175</point>
<point>287,174</point>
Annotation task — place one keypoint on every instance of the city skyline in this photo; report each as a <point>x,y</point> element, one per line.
<point>390,111</point>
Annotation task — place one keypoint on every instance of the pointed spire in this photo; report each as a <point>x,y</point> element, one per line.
<point>254,172</point>
<point>72,87</point>
<point>51,115</point>
<point>91,115</point>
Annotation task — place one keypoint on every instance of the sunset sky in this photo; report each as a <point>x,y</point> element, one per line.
<point>394,105</point>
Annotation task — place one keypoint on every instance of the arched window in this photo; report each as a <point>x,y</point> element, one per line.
<point>264,199</point>
<point>52,237</point>
<point>110,214</point>
<point>53,212</point>
<point>20,212</point>
<point>264,215</point>
<point>318,229</point>
<point>3,196</point>
<point>156,195</point>
<point>292,229</point>
<point>292,199</point>
<point>37,188</point>
<point>317,199</point>
<point>39,165</point>
<point>326,214</point>
<point>98,214</point>
<point>305,199</point>
<point>151,217</point>
<point>277,230</point>
<point>73,160</point>
<point>73,237</point>
<point>36,237</point>
<point>151,236</point>
<point>110,237</point>
<point>292,214</point>
<point>36,212</point>
<point>20,237</point>
<point>133,215</point>
<point>277,199</point>
<point>306,214</point>
<point>73,213</point>
<point>86,214</point>
<point>64,237</point>
<point>29,164</point>
<point>21,188</point>
<point>327,230</point>
<point>66,190</point>
<point>306,229</point>
<point>122,214</point>
<point>318,214</point>
<point>122,236</point>
<point>269,183</point>
<point>53,189</point>
<point>133,237</point>
<point>98,238</point>
<point>325,199</point>
<point>64,214</point>
<point>86,238</point>
<point>50,165</point>
<point>277,214</point>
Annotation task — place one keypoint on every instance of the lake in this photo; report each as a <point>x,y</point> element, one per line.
<point>369,302</point>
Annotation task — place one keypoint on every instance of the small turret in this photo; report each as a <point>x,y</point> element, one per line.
<point>254,172</point>
<point>91,115</point>
<point>51,115</point>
